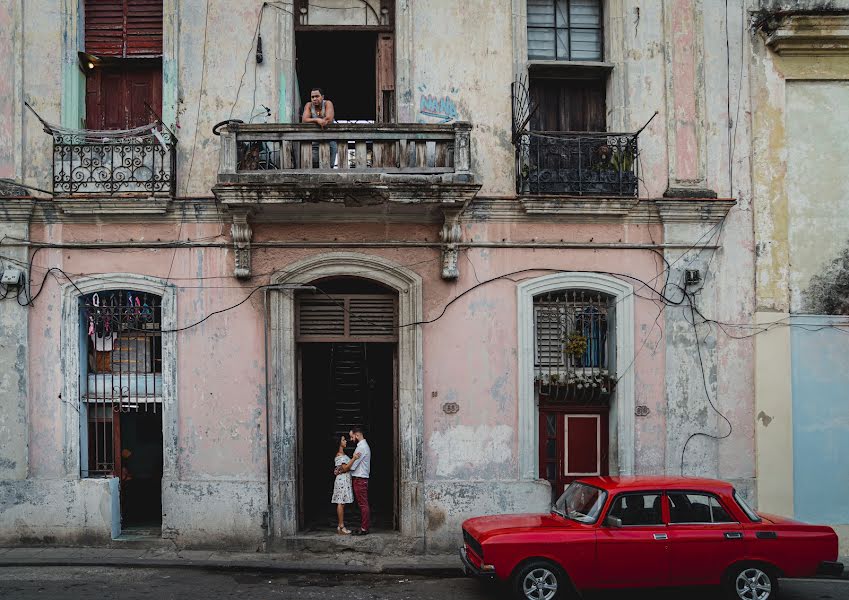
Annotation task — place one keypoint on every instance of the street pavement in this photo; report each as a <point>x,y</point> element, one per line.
<point>100,583</point>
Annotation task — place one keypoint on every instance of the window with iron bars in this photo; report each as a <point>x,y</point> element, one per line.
<point>120,371</point>
<point>574,346</point>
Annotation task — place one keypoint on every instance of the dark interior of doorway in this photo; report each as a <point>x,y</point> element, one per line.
<point>141,468</point>
<point>342,64</point>
<point>346,384</point>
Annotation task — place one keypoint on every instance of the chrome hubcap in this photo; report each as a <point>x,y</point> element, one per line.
<point>753,584</point>
<point>540,584</point>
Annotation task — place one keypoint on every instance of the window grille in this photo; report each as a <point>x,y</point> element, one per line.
<point>565,30</point>
<point>572,348</point>
<point>121,370</point>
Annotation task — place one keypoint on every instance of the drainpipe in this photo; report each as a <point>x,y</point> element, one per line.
<point>268,521</point>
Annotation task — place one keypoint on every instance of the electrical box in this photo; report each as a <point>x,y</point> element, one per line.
<point>692,277</point>
<point>11,276</point>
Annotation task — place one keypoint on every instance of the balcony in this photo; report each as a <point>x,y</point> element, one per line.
<point>577,164</point>
<point>95,164</point>
<point>400,168</point>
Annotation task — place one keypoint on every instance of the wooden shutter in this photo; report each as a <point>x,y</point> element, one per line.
<point>548,333</point>
<point>347,318</point>
<point>123,28</point>
<point>568,104</point>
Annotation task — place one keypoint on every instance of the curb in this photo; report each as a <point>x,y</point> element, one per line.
<point>267,567</point>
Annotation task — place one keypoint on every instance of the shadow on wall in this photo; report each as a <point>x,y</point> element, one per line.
<point>828,292</point>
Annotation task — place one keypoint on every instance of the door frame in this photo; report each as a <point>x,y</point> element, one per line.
<point>395,432</point>
<point>283,377</point>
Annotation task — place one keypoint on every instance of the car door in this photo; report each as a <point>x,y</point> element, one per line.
<point>704,538</point>
<point>635,553</point>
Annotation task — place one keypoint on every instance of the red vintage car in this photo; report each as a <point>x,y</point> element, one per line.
<point>646,532</point>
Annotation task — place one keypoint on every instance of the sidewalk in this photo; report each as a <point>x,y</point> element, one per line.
<point>440,565</point>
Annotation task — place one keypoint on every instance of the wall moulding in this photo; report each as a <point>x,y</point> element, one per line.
<point>811,35</point>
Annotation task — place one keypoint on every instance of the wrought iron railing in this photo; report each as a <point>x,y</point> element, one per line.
<point>576,163</point>
<point>345,148</point>
<point>86,164</point>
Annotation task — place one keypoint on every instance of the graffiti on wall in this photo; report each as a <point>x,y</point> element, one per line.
<point>437,109</point>
<point>828,292</point>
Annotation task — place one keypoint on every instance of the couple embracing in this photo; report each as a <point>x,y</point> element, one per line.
<point>352,480</point>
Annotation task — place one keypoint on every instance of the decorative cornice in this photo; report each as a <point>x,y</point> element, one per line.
<point>16,209</point>
<point>120,205</point>
<point>692,210</point>
<point>811,35</point>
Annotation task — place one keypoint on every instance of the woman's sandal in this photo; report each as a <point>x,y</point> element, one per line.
<point>342,530</point>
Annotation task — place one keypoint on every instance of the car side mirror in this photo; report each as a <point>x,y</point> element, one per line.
<point>612,521</point>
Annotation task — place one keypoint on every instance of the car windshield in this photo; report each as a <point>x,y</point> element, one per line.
<point>580,502</point>
<point>746,508</point>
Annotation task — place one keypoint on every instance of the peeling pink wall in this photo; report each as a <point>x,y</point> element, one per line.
<point>684,79</point>
<point>470,354</point>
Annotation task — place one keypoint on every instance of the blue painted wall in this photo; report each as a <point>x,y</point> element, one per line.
<point>820,374</point>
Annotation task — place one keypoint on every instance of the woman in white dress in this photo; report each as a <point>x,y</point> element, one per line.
<point>343,491</point>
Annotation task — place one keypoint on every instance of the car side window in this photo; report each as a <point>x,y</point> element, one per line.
<point>696,508</point>
<point>637,509</point>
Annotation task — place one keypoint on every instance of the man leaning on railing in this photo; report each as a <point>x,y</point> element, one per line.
<point>321,112</point>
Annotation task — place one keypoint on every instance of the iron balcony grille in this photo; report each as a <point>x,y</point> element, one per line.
<point>86,164</point>
<point>573,347</point>
<point>120,371</point>
<point>576,163</point>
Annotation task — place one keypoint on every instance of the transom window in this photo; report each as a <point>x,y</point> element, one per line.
<point>565,30</point>
<point>696,508</point>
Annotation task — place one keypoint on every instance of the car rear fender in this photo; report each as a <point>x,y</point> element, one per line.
<point>761,564</point>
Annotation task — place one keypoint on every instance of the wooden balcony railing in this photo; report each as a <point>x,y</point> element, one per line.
<point>344,150</point>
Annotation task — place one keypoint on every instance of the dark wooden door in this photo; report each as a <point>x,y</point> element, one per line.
<point>573,443</point>
<point>568,105</point>
<point>116,95</point>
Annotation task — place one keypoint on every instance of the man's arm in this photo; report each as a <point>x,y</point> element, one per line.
<point>350,464</point>
<point>306,118</point>
<point>329,112</point>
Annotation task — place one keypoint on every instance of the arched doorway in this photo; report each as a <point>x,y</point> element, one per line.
<point>284,431</point>
<point>346,334</point>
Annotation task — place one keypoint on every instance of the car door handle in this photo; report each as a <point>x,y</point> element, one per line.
<point>661,536</point>
<point>733,535</point>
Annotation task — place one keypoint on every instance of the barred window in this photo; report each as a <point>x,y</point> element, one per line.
<point>565,30</point>
<point>573,345</point>
<point>121,371</point>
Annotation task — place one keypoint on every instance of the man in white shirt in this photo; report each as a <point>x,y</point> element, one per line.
<point>360,466</point>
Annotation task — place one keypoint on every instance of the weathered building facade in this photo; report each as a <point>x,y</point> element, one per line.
<point>800,86</point>
<point>511,259</point>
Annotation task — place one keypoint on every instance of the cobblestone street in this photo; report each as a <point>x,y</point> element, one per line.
<point>90,583</point>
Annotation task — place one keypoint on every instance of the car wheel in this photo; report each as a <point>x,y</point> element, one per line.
<point>540,580</point>
<point>752,582</point>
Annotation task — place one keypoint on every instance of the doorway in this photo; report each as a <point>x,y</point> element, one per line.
<point>347,370</point>
<point>141,469</point>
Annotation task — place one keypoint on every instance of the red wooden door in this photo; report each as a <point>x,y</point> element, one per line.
<point>573,444</point>
<point>116,95</point>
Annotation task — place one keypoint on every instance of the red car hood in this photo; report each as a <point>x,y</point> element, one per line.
<point>482,528</point>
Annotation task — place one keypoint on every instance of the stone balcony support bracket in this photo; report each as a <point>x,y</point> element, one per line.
<point>242,233</point>
<point>451,235</point>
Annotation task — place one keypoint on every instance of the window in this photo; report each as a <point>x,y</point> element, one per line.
<point>121,374</point>
<point>696,508</point>
<point>123,62</point>
<point>637,509</point>
<point>565,30</point>
<point>571,331</point>
<point>581,502</point>
<point>746,508</point>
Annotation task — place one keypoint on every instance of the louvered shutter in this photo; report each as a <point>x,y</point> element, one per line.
<point>347,318</point>
<point>549,319</point>
<point>123,28</point>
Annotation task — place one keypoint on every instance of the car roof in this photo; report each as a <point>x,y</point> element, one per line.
<point>659,482</point>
